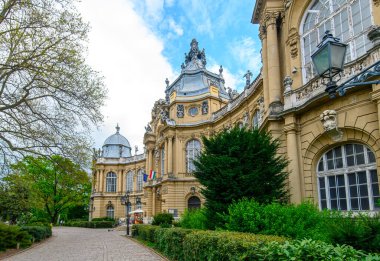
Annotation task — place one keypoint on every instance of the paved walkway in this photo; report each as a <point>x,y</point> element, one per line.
<point>73,244</point>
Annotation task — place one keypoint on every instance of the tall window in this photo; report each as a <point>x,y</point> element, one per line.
<point>111,182</point>
<point>347,179</point>
<point>162,161</point>
<point>139,180</point>
<point>255,120</point>
<point>110,212</point>
<point>129,181</point>
<point>349,20</point>
<point>193,149</point>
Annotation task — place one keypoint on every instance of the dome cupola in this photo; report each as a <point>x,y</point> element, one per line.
<point>116,146</point>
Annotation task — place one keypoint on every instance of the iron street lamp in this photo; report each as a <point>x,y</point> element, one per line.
<point>328,60</point>
<point>125,201</point>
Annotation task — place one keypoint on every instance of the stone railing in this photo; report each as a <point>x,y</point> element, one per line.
<point>237,101</point>
<point>315,87</point>
<point>134,158</point>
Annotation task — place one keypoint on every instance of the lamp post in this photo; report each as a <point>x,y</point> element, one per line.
<point>328,60</point>
<point>125,201</point>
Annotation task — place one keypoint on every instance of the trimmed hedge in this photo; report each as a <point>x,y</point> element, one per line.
<point>188,244</point>
<point>10,236</point>
<point>90,224</point>
<point>162,218</point>
<point>38,232</point>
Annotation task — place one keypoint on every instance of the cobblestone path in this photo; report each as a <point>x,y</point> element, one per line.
<point>73,244</point>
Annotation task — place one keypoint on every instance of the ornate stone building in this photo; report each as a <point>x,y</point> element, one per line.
<point>332,144</point>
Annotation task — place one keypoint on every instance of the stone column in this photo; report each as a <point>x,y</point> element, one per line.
<point>294,166</point>
<point>170,154</point>
<point>153,201</point>
<point>98,180</point>
<point>150,160</point>
<point>375,97</point>
<point>166,157</point>
<point>273,58</point>
<point>264,57</point>
<point>102,179</point>
<point>119,179</point>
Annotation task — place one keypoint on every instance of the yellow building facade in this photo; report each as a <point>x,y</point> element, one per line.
<point>332,144</point>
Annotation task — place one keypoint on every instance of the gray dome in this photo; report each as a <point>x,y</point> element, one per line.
<point>116,146</point>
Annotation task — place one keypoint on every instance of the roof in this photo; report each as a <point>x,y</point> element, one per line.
<point>116,146</point>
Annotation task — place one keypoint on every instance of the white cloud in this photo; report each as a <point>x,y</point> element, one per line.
<point>169,3</point>
<point>245,52</point>
<point>175,27</point>
<point>233,81</point>
<point>129,55</point>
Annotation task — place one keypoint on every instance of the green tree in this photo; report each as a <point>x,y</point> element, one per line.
<point>236,164</point>
<point>14,198</point>
<point>49,97</point>
<point>57,184</point>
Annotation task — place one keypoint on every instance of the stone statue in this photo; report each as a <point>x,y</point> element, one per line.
<point>288,83</point>
<point>247,76</point>
<point>204,107</point>
<point>180,111</point>
<point>148,128</point>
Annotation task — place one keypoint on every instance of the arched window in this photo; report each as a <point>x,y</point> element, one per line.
<point>162,161</point>
<point>140,180</point>
<point>193,149</point>
<point>138,203</point>
<point>255,120</point>
<point>129,181</point>
<point>349,20</point>
<point>193,203</point>
<point>111,182</point>
<point>110,212</point>
<point>347,178</point>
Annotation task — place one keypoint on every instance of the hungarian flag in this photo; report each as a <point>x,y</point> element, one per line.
<point>152,174</point>
<point>145,177</point>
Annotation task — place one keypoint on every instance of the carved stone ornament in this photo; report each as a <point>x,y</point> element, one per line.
<point>374,34</point>
<point>245,119</point>
<point>292,42</point>
<point>287,84</point>
<point>287,4</point>
<point>376,2</point>
<point>204,107</point>
<point>148,128</point>
<point>180,111</point>
<point>330,124</point>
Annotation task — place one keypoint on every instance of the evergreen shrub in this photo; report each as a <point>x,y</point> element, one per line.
<point>170,242</point>
<point>144,232</point>
<point>195,219</point>
<point>90,224</point>
<point>10,236</point>
<point>38,232</point>
<point>162,218</point>
<point>294,221</point>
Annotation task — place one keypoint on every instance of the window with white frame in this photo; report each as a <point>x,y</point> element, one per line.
<point>193,149</point>
<point>140,180</point>
<point>129,183</point>
<point>347,179</point>
<point>111,182</point>
<point>162,161</point>
<point>255,120</point>
<point>349,20</point>
<point>110,212</point>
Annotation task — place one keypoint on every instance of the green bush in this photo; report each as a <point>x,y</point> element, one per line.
<point>170,242</point>
<point>162,218</point>
<point>294,221</point>
<point>103,219</point>
<point>10,236</point>
<point>144,232</point>
<point>360,231</point>
<point>90,224</point>
<point>195,219</point>
<point>38,232</point>
<point>219,245</point>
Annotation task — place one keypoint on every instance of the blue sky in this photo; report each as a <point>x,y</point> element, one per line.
<point>223,28</point>
<point>136,44</point>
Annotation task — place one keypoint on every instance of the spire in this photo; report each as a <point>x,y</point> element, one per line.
<point>195,56</point>
<point>117,128</point>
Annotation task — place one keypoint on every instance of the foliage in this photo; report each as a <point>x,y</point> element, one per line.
<point>14,198</point>
<point>10,236</point>
<point>56,183</point>
<point>162,218</point>
<point>170,242</point>
<point>294,221</point>
<point>144,232</point>
<point>38,232</point>
<point>240,163</point>
<point>308,249</point>
<point>195,219</point>
<point>188,244</point>
<point>90,224</point>
<point>360,231</point>
<point>77,212</point>
<point>103,219</point>
<point>49,97</point>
